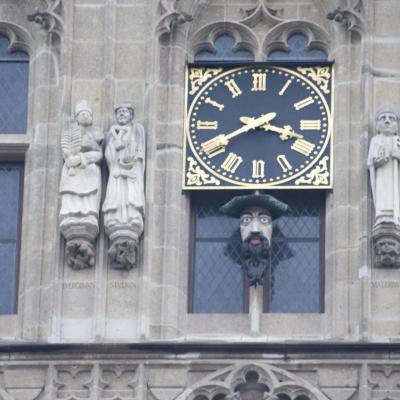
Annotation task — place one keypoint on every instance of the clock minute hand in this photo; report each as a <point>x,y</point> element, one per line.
<point>217,144</point>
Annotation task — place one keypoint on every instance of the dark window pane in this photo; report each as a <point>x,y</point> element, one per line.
<point>14,74</point>
<point>296,263</point>
<point>295,278</point>
<point>297,51</point>
<point>224,45</point>
<point>8,273</point>
<point>10,176</point>
<point>10,205</point>
<point>218,282</point>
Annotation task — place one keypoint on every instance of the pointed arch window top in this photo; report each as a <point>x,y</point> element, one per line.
<point>7,55</point>
<point>298,50</point>
<point>224,51</point>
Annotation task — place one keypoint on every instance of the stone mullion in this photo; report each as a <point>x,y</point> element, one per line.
<point>35,276</point>
<point>366,99</point>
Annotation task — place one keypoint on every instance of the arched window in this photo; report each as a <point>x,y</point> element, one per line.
<point>294,281</point>
<point>214,289</point>
<point>14,74</point>
<point>225,51</point>
<point>297,51</point>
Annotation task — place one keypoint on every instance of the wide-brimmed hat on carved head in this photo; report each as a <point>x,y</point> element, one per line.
<point>238,204</point>
<point>127,105</point>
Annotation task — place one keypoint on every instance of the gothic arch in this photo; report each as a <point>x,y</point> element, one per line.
<point>205,37</point>
<point>277,37</point>
<point>19,37</point>
<point>267,380</point>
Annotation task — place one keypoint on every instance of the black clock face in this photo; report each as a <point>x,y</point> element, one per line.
<point>258,127</point>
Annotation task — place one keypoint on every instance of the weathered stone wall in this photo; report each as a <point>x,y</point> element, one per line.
<point>98,372</point>
<point>107,51</point>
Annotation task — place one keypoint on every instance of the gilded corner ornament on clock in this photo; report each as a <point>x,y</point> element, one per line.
<point>258,127</point>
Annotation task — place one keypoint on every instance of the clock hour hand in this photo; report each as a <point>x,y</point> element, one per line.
<point>217,144</point>
<point>285,133</point>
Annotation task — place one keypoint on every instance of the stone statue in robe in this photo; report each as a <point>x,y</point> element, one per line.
<point>80,188</point>
<point>383,165</point>
<point>123,207</point>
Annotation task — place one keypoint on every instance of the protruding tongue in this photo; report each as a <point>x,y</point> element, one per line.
<point>255,240</point>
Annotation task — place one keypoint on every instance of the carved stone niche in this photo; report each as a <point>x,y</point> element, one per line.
<point>386,240</point>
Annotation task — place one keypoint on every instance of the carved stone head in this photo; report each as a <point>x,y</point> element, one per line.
<point>256,213</point>
<point>387,253</point>
<point>80,254</point>
<point>124,113</point>
<point>255,222</point>
<point>123,254</point>
<point>387,121</point>
<point>83,113</point>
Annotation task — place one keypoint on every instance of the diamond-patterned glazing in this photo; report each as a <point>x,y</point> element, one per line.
<point>218,284</point>
<point>295,275</point>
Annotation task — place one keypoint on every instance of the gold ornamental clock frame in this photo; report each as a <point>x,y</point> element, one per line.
<point>258,126</point>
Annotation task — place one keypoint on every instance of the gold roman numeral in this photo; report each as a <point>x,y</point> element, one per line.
<point>233,88</point>
<point>303,103</point>
<point>215,104</point>
<point>258,169</point>
<point>231,163</point>
<point>303,146</point>
<point>259,82</point>
<point>310,124</point>
<point>212,125</point>
<point>285,86</point>
<point>284,163</point>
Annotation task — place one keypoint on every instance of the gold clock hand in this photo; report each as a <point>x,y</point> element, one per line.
<point>285,133</point>
<point>217,144</point>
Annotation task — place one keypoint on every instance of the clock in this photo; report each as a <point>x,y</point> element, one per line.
<point>258,127</point>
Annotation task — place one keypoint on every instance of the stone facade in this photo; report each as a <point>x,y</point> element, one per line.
<point>111,51</point>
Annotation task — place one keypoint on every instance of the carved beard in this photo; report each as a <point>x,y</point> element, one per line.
<point>255,258</point>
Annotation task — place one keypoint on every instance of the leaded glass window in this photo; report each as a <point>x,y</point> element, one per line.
<point>225,51</point>
<point>297,51</point>
<point>217,278</point>
<point>14,74</point>
<point>11,176</point>
<point>294,280</point>
<point>296,272</point>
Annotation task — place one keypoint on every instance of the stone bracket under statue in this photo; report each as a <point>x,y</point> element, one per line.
<point>256,213</point>
<point>383,166</point>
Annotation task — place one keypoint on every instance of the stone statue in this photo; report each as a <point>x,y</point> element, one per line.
<point>383,165</point>
<point>80,188</point>
<point>256,213</point>
<point>123,207</point>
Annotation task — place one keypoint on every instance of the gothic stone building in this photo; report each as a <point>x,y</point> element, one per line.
<point>182,322</point>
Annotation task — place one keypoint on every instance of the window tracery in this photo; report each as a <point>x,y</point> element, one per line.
<point>256,381</point>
